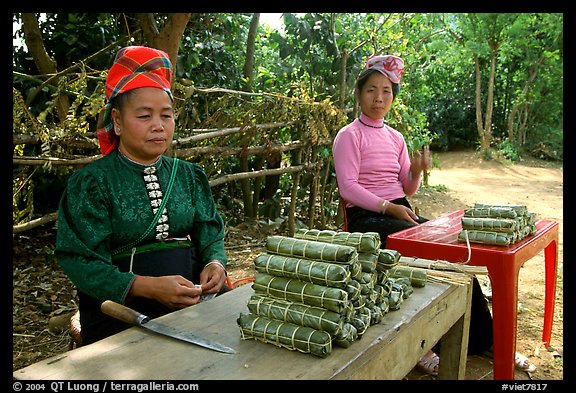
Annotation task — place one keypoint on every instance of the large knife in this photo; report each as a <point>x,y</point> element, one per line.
<point>133,317</point>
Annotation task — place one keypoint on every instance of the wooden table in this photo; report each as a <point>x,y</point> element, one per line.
<point>437,240</point>
<point>388,350</point>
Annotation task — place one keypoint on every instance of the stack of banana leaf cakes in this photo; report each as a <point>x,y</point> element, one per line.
<point>322,288</point>
<point>497,224</point>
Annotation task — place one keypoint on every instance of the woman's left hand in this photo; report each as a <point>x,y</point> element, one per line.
<point>212,278</point>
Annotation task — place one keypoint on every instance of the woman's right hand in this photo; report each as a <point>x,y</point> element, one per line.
<point>421,161</point>
<point>172,291</point>
<point>401,212</point>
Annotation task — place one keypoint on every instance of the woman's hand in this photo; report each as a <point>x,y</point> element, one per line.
<point>401,212</point>
<point>213,277</point>
<point>420,161</point>
<point>172,291</point>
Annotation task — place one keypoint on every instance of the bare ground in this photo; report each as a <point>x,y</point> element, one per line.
<point>43,297</point>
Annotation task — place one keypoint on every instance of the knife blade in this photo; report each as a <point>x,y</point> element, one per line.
<point>133,317</point>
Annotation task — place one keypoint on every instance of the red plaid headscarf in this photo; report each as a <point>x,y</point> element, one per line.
<point>134,67</point>
<point>390,66</point>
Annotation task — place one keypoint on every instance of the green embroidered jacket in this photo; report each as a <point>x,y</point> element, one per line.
<point>106,205</point>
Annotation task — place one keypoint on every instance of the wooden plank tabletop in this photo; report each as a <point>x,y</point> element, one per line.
<point>388,350</point>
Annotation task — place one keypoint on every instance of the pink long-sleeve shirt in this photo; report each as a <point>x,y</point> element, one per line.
<point>372,164</point>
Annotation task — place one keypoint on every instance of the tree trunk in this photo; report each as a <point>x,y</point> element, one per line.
<point>294,195</point>
<point>45,64</point>
<point>483,125</point>
<point>250,48</point>
<point>259,164</point>
<point>517,108</point>
<point>490,99</point>
<point>169,38</point>
<point>479,122</point>
<point>342,87</point>
<point>248,76</point>
<point>313,189</point>
<point>246,190</point>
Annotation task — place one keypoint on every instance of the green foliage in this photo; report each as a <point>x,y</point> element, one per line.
<point>490,154</point>
<point>212,50</point>
<point>547,143</point>
<point>297,75</point>
<point>507,149</point>
<point>435,187</point>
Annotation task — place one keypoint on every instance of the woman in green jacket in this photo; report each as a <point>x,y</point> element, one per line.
<point>136,226</point>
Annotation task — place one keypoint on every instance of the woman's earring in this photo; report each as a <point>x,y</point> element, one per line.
<point>117,131</point>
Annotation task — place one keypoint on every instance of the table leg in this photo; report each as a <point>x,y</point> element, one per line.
<point>454,345</point>
<point>551,263</point>
<point>504,280</point>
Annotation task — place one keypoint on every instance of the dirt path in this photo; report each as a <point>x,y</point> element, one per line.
<point>536,184</point>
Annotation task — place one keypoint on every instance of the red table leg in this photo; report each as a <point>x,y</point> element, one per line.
<point>504,279</point>
<point>551,263</point>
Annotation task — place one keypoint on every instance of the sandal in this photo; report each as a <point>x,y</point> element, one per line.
<point>523,364</point>
<point>429,363</point>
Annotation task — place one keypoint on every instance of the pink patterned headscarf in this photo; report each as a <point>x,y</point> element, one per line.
<point>390,66</point>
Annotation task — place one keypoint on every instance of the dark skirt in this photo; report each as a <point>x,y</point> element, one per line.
<point>361,220</point>
<point>96,325</point>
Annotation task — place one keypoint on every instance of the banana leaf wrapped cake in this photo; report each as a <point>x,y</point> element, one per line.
<point>333,299</point>
<point>417,277</point>
<point>368,242</point>
<point>317,272</point>
<point>286,335</point>
<point>497,224</point>
<point>317,251</point>
<point>300,314</point>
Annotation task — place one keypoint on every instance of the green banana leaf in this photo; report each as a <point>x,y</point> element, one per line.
<point>333,299</point>
<point>285,335</point>
<point>385,306</point>
<point>492,224</point>
<point>494,212</point>
<point>354,289</point>
<point>296,313</point>
<point>317,272</point>
<point>387,259</point>
<point>309,249</point>
<point>402,284</point>
<point>395,298</point>
<point>497,224</point>
<point>521,210</point>
<point>368,261</point>
<point>417,277</point>
<point>346,336</point>
<point>361,321</point>
<point>485,237</point>
<point>368,242</point>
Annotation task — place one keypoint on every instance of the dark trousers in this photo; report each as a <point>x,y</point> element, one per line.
<point>361,220</point>
<point>481,333</point>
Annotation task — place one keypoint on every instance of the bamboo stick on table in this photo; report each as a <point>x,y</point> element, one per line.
<point>442,265</point>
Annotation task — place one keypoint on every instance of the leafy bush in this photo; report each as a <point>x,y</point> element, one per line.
<point>508,150</point>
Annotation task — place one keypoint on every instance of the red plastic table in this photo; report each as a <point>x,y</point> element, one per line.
<point>437,240</point>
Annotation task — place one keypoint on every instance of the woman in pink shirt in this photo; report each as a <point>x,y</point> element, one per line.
<point>374,170</point>
<point>375,174</point>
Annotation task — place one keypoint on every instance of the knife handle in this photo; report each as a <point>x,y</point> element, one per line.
<point>123,313</point>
